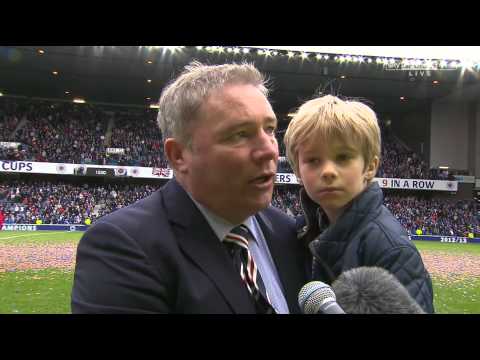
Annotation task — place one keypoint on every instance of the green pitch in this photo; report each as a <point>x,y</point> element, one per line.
<point>39,237</point>
<point>44,291</point>
<point>452,248</point>
<point>36,291</point>
<point>47,291</point>
<point>454,294</point>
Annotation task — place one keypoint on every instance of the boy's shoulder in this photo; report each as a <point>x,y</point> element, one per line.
<point>300,222</point>
<point>378,224</point>
<point>386,231</point>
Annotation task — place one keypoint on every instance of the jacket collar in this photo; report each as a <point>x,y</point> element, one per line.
<point>289,266</point>
<point>328,246</point>
<point>365,205</point>
<point>315,218</point>
<point>199,242</point>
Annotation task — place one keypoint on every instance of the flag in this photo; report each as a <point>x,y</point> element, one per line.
<point>161,172</point>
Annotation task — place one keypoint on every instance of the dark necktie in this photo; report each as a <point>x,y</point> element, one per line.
<point>237,244</point>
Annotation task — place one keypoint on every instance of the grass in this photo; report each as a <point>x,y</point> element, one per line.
<point>48,291</point>
<point>39,237</point>
<point>36,292</point>
<point>44,291</point>
<point>456,296</point>
<point>452,248</point>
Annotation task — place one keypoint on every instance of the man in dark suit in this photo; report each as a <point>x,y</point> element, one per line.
<point>207,241</point>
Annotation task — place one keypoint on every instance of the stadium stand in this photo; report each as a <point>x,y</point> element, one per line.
<point>77,133</point>
<point>61,202</point>
<point>49,131</point>
<point>431,216</point>
<point>138,135</point>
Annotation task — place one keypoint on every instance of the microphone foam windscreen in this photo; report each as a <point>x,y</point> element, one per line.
<point>373,290</point>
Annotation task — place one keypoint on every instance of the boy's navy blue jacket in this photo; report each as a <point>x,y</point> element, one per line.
<point>366,234</point>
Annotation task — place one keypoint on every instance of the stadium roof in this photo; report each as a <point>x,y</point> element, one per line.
<point>137,74</point>
<point>417,52</point>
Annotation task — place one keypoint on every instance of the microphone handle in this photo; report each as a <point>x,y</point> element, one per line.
<point>331,307</point>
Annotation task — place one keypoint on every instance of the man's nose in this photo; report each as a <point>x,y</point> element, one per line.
<point>266,147</point>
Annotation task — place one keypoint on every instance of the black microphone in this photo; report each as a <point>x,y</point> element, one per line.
<point>316,297</point>
<point>373,290</point>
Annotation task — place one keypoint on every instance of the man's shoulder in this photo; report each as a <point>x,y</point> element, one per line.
<point>140,214</point>
<point>277,215</point>
<point>142,229</point>
<point>279,223</point>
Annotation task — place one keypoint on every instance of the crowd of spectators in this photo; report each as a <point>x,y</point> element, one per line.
<point>399,162</point>
<point>137,134</point>
<point>10,116</point>
<point>286,198</point>
<point>65,203</point>
<point>25,202</point>
<point>434,216</point>
<point>64,133</point>
<point>77,133</point>
<point>430,216</point>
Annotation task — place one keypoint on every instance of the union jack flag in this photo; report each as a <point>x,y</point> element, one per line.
<point>161,172</point>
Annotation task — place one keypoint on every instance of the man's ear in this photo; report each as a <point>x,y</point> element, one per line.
<point>372,168</point>
<point>177,154</point>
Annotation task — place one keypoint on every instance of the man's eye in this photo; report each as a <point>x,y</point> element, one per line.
<point>271,130</point>
<point>239,135</point>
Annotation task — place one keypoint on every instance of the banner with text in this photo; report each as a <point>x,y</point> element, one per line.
<point>81,227</point>
<point>115,151</point>
<point>449,239</point>
<point>9,145</point>
<point>45,227</point>
<point>417,184</point>
<point>166,173</point>
<point>84,169</point>
<point>286,178</point>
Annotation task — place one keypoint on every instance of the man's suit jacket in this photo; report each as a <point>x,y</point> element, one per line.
<point>160,255</point>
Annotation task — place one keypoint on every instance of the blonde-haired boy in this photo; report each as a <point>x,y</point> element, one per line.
<point>334,148</point>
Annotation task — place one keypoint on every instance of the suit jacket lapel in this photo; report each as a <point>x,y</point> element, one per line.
<point>202,246</point>
<point>285,254</point>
